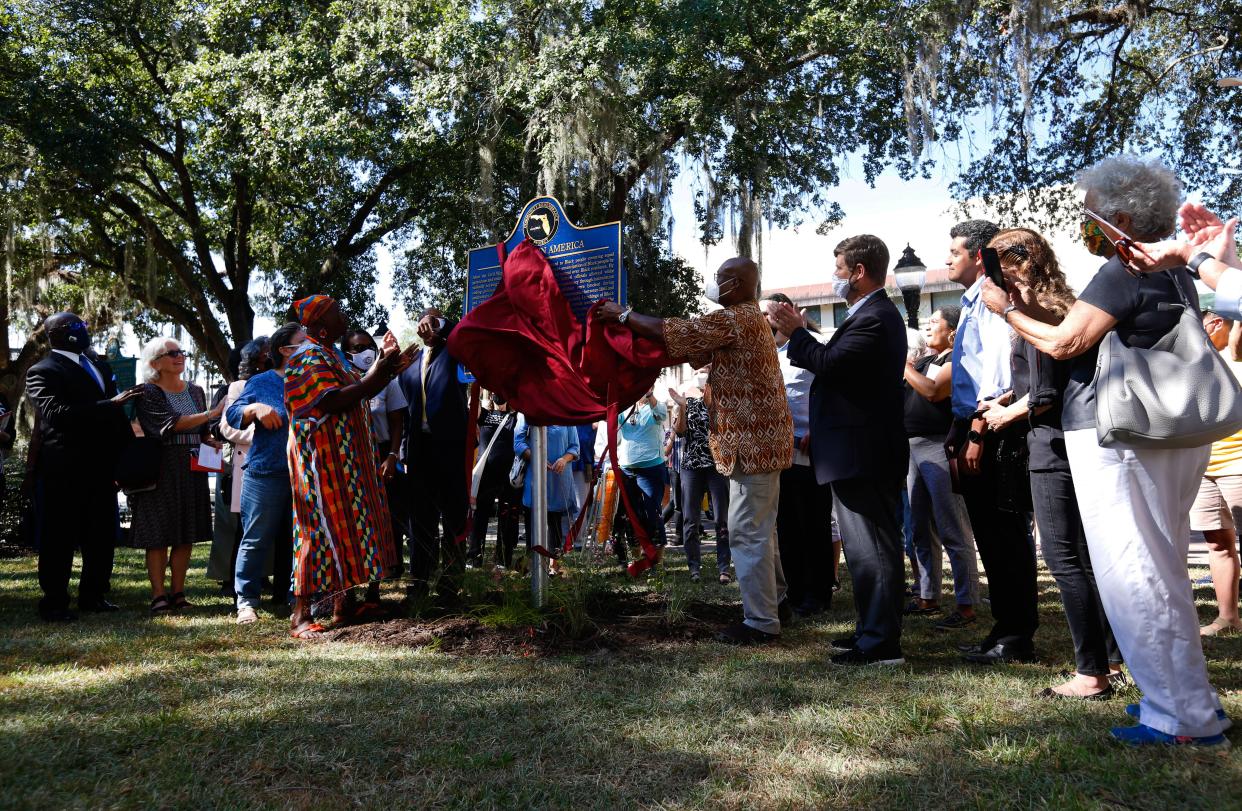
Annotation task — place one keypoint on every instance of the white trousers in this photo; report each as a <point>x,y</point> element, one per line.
<point>753,498</point>
<point>1135,507</point>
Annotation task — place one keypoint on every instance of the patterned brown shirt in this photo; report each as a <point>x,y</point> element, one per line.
<point>749,424</point>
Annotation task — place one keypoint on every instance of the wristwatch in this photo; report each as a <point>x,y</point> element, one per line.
<point>974,436</point>
<point>1199,259</point>
<point>621,319</point>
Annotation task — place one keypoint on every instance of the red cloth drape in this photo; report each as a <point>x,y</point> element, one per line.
<point>525,344</point>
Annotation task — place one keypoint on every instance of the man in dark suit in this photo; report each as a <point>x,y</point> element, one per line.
<point>435,458</point>
<point>858,442</point>
<point>83,427</point>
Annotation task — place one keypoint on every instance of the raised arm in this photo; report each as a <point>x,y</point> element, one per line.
<point>1083,327</point>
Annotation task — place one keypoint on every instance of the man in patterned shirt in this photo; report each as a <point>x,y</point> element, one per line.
<point>751,431</point>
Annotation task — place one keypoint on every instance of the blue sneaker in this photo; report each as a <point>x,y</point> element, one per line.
<point>1132,710</point>
<point>1143,735</point>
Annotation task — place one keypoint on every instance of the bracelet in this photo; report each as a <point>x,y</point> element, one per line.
<point>1005,313</point>
<point>1199,259</point>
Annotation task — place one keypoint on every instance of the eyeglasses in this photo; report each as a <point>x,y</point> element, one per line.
<point>173,353</point>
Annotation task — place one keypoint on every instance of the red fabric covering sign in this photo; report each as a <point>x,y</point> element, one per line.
<point>526,345</point>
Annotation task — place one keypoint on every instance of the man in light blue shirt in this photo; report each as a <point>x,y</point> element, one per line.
<point>981,371</point>
<point>804,508</point>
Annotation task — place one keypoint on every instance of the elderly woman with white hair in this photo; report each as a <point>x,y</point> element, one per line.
<point>1135,503</point>
<point>177,513</point>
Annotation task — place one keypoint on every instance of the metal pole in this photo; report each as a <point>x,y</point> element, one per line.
<point>538,468</point>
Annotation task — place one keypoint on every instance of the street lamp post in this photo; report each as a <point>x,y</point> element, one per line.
<point>909,274</point>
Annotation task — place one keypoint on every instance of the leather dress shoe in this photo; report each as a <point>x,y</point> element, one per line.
<point>100,606</point>
<point>1001,653</point>
<point>845,643</point>
<point>57,615</point>
<point>739,633</point>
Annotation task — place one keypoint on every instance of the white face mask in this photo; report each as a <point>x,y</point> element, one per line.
<point>363,359</point>
<point>841,287</point>
<point>713,291</point>
<point>700,380</point>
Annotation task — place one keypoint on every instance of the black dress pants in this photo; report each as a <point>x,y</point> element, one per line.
<point>84,517</point>
<point>1008,555</point>
<point>804,535</point>
<point>867,512</point>
<point>1064,544</point>
<point>437,486</point>
<point>496,498</point>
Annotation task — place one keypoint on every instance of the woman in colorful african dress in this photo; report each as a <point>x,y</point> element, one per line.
<point>341,532</point>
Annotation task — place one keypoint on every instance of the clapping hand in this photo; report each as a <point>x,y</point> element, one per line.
<point>127,395</point>
<point>677,398</point>
<point>785,318</point>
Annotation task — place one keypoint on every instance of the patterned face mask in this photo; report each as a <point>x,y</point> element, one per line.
<point>1093,237</point>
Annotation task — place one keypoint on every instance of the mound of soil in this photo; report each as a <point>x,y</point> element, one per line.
<point>637,621</point>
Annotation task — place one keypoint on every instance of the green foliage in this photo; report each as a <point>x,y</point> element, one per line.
<point>206,158</point>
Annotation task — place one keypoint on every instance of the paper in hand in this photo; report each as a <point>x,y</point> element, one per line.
<point>208,459</point>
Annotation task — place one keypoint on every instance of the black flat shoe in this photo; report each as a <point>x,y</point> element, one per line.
<point>856,657</point>
<point>1001,654</point>
<point>739,633</point>
<point>1050,694</point>
<point>100,606</point>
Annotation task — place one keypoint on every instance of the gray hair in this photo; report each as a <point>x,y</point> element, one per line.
<point>1145,189</point>
<point>151,352</point>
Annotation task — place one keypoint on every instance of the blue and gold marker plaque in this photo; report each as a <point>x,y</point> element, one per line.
<point>586,261</point>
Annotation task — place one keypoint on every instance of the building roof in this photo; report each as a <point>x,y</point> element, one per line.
<point>937,279</point>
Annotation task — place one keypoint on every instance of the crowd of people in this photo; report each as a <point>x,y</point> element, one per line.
<point>978,442</point>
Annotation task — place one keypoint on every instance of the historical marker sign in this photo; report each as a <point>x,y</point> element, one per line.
<point>586,261</point>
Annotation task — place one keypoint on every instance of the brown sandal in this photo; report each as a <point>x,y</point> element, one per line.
<point>179,601</point>
<point>161,605</point>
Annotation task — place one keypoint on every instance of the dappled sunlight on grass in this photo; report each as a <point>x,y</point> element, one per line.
<point>194,711</point>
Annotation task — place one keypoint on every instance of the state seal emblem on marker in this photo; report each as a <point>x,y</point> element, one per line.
<point>541,223</point>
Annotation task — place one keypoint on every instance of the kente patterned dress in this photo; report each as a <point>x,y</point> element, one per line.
<point>342,536</point>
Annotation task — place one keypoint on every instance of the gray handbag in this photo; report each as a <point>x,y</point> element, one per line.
<point>1177,394</point>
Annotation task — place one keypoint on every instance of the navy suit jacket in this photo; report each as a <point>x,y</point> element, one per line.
<point>446,396</point>
<point>82,430</point>
<point>857,399</point>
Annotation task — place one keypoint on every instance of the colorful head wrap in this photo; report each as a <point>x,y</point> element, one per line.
<point>312,308</point>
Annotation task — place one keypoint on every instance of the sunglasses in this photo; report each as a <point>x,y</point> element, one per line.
<point>173,353</point>
<point>1119,239</point>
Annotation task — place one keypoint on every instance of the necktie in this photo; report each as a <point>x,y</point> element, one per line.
<point>90,370</point>
<point>426,366</point>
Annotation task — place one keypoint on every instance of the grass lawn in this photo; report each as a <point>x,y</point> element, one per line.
<point>194,712</point>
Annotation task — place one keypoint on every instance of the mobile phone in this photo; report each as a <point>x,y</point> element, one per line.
<point>992,267</point>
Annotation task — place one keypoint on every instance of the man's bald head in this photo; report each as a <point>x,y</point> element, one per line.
<point>745,275</point>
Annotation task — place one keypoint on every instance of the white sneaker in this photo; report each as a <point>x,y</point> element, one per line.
<point>246,615</point>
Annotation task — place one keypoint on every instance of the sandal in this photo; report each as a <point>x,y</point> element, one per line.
<point>161,605</point>
<point>179,601</point>
<point>1220,627</point>
<point>311,630</point>
<point>369,611</point>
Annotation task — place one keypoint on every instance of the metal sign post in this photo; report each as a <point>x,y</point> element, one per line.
<point>538,468</point>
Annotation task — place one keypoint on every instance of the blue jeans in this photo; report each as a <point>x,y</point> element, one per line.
<point>267,524</point>
<point>649,482</point>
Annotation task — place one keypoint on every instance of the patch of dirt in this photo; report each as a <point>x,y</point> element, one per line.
<point>633,622</point>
